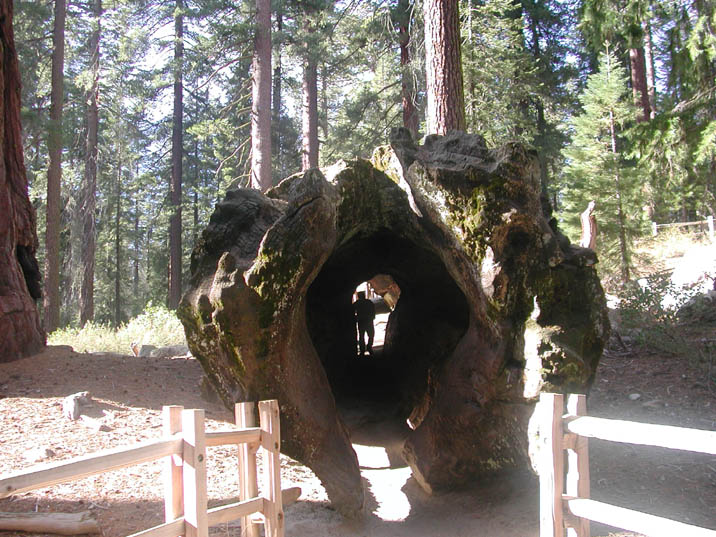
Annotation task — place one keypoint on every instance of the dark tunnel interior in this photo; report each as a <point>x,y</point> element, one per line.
<point>428,321</point>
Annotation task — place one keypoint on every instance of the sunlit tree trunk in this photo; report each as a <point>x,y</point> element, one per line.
<point>21,333</point>
<point>261,92</point>
<point>175,248</point>
<point>276,96</point>
<point>410,113</point>
<point>443,67</point>
<point>638,82</point>
<point>310,116</point>
<point>90,185</point>
<point>54,174</point>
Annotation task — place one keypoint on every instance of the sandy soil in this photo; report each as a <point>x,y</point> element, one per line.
<point>128,393</point>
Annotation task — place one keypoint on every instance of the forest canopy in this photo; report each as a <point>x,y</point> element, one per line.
<point>144,108</point>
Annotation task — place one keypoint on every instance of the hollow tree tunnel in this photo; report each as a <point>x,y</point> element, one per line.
<point>495,306</point>
<point>422,331</point>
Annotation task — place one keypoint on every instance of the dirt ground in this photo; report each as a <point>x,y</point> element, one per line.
<point>128,393</point>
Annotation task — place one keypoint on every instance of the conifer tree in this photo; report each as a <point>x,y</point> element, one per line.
<point>596,165</point>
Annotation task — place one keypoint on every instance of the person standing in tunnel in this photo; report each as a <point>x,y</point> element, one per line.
<point>365,313</point>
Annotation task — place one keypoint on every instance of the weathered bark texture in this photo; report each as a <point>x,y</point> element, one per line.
<point>495,305</point>
<point>261,99</point>
<point>54,174</point>
<point>443,67</point>
<point>21,332</point>
<point>402,17</point>
<point>90,184</point>
<point>638,82</point>
<point>309,141</point>
<point>175,188</point>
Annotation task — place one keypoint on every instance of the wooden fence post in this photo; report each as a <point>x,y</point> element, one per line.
<point>551,474</point>
<point>248,485</point>
<point>173,483</point>
<point>654,229</point>
<point>577,484</point>
<point>270,427</point>
<point>710,222</point>
<point>196,519</point>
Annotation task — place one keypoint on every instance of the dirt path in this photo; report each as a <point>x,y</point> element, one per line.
<point>129,393</point>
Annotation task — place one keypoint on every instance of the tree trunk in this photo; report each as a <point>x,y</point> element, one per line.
<point>54,174</point>
<point>410,114</point>
<point>118,242</point>
<point>623,249</point>
<point>310,115</point>
<point>276,108</point>
<point>650,71</point>
<point>175,248</point>
<point>261,93</point>
<point>443,67</point>
<point>324,102</point>
<point>21,332</point>
<point>638,82</point>
<point>135,271</point>
<point>90,186</point>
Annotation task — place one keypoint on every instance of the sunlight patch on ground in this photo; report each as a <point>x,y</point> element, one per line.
<point>372,456</point>
<point>386,487</point>
<point>385,483</point>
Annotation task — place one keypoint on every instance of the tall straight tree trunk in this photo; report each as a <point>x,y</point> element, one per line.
<point>310,116</point>
<point>175,248</point>
<point>135,261</point>
<point>118,242</point>
<point>443,67</point>
<point>407,90</point>
<point>620,210</point>
<point>261,92</point>
<point>276,107</point>
<point>90,185</point>
<point>324,102</point>
<point>638,82</point>
<point>649,64</point>
<point>21,332</point>
<point>54,173</point>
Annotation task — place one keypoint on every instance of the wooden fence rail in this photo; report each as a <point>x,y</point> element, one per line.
<point>185,496</point>
<point>709,224</point>
<point>564,498</point>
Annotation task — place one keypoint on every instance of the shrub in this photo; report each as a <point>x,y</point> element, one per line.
<point>155,326</point>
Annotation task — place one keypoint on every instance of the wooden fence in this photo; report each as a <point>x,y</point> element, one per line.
<point>571,509</point>
<point>185,496</point>
<point>709,224</point>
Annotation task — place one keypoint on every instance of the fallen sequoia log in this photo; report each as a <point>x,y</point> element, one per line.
<point>57,523</point>
<point>495,305</point>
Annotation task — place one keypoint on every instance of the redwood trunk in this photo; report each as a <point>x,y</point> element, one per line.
<point>276,107</point>
<point>261,92</point>
<point>638,82</point>
<point>443,67</point>
<point>90,186</point>
<point>54,174</point>
<point>21,332</point>
<point>410,114</point>
<point>175,249</point>
<point>310,115</point>
<point>649,65</point>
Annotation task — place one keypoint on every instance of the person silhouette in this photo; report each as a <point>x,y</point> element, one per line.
<point>364,313</point>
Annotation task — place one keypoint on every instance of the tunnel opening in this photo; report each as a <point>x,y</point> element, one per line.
<point>428,320</point>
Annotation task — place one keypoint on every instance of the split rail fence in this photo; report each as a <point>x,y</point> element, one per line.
<point>709,224</point>
<point>571,510</point>
<point>185,489</point>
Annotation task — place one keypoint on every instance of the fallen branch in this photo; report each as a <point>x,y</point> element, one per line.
<point>60,523</point>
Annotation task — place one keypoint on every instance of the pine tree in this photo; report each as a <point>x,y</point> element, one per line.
<point>596,165</point>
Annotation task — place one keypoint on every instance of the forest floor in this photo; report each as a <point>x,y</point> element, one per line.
<point>128,393</point>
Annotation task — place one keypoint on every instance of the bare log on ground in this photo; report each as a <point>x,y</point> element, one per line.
<point>59,523</point>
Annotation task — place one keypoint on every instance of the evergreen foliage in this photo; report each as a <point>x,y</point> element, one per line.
<point>530,74</point>
<point>596,164</point>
